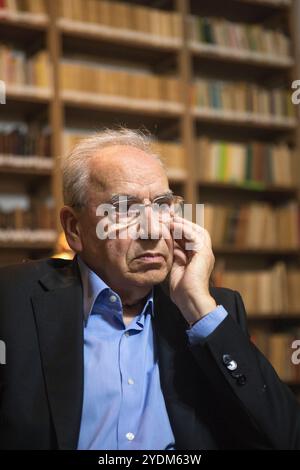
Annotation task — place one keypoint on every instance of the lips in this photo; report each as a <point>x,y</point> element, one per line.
<point>150,254</point>
<point>151,257</point>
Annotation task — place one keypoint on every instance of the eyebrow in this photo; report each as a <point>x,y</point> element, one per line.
<point>131,197</point>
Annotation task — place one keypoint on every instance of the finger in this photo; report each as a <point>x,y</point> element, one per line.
<point>189,223</point>
<point>193,227</point>
<point>190,238</point>
<point>180,256</point>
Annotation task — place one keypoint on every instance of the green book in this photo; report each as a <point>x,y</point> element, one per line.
<point>222,161</point>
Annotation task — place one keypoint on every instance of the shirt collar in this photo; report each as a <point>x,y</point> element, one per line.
<point>93,286</point>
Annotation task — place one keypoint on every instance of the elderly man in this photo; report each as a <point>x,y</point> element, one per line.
<point>128,346</point>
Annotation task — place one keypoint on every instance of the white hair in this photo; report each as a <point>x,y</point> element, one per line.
<point>76,167</point>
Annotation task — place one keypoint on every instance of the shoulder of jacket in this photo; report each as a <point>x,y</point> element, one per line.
<point>29,270</point>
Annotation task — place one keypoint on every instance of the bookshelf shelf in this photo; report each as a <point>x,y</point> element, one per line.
<point>85,100</point>
<point>33,239</point>
<point>25,165</point>
<point>247,251</point>
<point>24,19</point>
<point>243,119</point>
<point>28,93</point>
<point>231,55</point>
<point>253,189</point>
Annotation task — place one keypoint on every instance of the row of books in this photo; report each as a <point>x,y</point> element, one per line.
<point>255,225</point>
<point>242,97</point>
<point>19,140</point>
<point>19,69</point>
<point>281,350</point>
<point>172,154</point>
<point>28,6</point>
<point>123,15</point>
<point>251,37</point>
<point>271,291</point>
<point>40,215</point>
<point>93,78</point>
<point>254,164</point>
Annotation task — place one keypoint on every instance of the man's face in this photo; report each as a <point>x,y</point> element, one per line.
<point>125,170</point>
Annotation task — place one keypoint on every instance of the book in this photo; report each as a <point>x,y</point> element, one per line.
<point>250,164</point>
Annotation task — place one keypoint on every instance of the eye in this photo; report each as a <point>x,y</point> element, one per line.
<point>134,209</point>
<point>163,204</point>
<point>121,205</point>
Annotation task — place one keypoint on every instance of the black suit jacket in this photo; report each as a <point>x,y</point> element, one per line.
<point>41,322</point>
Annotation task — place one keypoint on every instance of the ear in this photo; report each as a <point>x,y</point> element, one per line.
<point>69,222</point>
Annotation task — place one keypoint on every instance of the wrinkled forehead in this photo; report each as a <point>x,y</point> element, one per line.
<point>127,170</point>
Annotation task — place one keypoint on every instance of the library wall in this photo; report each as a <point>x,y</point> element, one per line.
<point>212,82</point>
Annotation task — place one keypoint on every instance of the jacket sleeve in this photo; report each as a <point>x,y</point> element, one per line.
<point>263,411</point>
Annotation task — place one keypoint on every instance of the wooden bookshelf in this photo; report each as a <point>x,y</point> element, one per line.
<point>180,121</point>
<point>184,49</point>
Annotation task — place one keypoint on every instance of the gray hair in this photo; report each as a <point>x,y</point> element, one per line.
<point>76,168</point>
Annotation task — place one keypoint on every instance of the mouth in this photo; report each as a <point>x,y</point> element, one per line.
<point>150,257</point>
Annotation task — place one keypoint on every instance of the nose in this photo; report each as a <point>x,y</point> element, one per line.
<point>150,226</point>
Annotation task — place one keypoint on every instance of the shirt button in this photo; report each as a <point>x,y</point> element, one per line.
<point>113,298</point>
<point>130,436</point>
<point>130,381</point>
<point>127,334</point>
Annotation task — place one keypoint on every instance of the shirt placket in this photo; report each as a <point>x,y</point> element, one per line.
<point>131,368</point>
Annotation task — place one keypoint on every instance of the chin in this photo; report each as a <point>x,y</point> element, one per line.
<point>151,277</point>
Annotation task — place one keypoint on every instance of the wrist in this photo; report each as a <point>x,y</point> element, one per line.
<point>196,307</point>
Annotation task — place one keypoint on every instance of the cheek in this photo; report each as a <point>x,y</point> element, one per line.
<point>117,251</point>
<point>169,260</point>
<point>169,246</point>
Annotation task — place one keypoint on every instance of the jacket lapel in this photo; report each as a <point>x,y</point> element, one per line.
<point>183,385</point>
<point>58,312</point>
<point>171,343</point>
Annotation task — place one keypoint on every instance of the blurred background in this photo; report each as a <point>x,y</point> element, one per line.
<point>212,80</point>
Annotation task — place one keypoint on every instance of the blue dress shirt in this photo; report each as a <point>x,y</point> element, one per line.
<point>123,404</point>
